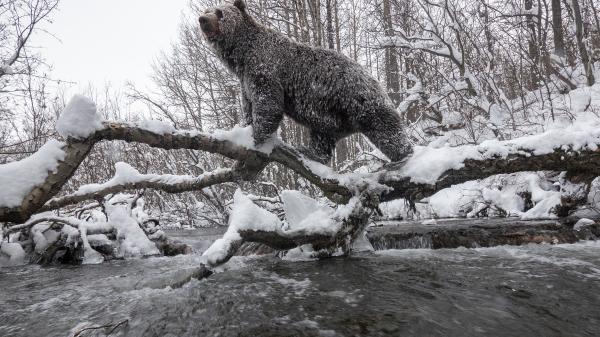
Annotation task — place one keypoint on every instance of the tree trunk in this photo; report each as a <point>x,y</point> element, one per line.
<point>583,52</point>
<point>391,59</point>
<point>329,27</point>
<point>557,29</point>
<point>533,47</point>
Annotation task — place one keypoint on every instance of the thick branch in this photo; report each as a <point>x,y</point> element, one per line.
<point>164,183</point>
<point>574,162</point>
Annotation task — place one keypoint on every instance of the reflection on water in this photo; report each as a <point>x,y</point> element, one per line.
<point>504,291</point>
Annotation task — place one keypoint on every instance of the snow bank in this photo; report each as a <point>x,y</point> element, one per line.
<point>428,162</point>
<point>545,201</point>
<point>79,119</point>
<point>18,178</point>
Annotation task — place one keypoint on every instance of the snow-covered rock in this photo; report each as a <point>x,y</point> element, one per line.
<point>583,223</point>
<point>11,254</point>
<point>79,119</point>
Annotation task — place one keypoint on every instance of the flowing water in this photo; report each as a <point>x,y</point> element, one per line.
<point>535,290</point>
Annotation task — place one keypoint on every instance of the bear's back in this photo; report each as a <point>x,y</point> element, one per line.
<point>320,85</point>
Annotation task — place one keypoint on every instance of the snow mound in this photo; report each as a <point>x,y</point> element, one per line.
<point>79,119</point>
<point>18,178</point>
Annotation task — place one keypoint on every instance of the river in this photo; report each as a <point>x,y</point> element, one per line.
<point>533,290</point>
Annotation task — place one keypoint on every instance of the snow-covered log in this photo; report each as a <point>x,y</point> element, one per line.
<point>573,149</point>
<point>429,169</point>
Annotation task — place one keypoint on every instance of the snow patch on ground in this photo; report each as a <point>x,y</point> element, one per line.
<point>18,178</point>
<point>79,119</point>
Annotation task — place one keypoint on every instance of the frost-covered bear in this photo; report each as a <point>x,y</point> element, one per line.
<point>319,88</point>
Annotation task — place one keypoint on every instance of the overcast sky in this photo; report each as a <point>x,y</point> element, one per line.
<point>100,41</point>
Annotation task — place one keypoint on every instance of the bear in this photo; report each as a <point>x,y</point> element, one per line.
<point>319,88</point>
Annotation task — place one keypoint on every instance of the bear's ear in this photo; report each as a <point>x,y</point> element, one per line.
<point>240,4</point>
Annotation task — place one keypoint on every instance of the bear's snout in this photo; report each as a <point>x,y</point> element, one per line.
<point>209,24</point>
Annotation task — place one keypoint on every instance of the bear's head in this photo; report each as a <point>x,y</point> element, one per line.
<point>219,22</point>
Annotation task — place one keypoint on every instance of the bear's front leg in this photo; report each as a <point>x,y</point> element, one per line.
<point>267,112</point>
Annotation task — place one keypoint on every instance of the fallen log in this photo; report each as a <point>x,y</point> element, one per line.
<point>427,171</point>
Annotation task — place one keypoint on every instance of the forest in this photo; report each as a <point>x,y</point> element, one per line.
<point>151,211</point>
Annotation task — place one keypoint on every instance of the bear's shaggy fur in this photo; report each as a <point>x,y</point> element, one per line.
<point>327,92</point>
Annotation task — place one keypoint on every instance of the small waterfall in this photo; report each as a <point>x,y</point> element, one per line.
<point>253,248</point>
<point>383,242</point>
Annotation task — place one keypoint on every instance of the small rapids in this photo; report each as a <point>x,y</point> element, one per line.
<point>531,290</point>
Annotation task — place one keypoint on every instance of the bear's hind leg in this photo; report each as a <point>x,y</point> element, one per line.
<point>321,147</point>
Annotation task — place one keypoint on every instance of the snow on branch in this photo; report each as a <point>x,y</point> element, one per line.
<point>127,178</point>
<point>79,119</point>
<point>321,229</point>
